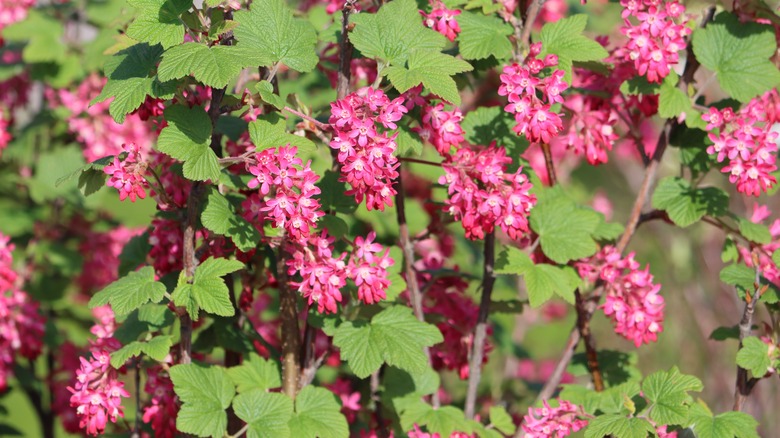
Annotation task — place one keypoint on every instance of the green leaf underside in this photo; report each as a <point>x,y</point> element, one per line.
<point>394,336</point>
<point>269,34</point>
<point>130,292</point>
<point>205,393</point>
<point>738,53</point>
<point>686,205</point>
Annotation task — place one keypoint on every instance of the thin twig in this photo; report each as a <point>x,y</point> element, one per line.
<point>583,326</point>
<point>480,331</point>
<point>548,163</point>
<point>345,52</point>
<point>533,11</point>
<point>315,122</point>
<point>419,161</point>
<point>744,384</point>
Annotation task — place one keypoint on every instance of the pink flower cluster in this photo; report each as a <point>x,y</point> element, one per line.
<point>746,141</point>
<point>654,39</point>
<point>324,276</point>
<point>163,405</point>
<point>549,422</point>
<point>97,393</point>
<point>442,20</point>
<point>482,196</point>
<point>440,127</point>
<point>292,205</point>
<point>127,175</point>
<point>5,134</point>
<point>632,300</point>
<point>101,252</point>
<point>365,154</point>
<point>767,267</point>
<point>21,326</point>
<point>520,83</point>
<point>12,11</point>
<point>167,242</point>
<point>93,126</point>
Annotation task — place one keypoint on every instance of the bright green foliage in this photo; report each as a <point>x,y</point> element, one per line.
<point>482,36</point>
<point>157,348</point>
<point>743,277</point>
<point>565,39</point>
<point>727,425</point>
<point>614,400</point>
<point>219,216</point>
<point>754,232</point>
<point>501,420</point>
<point>147,318</point>
<point>408,142</point>
<point>267,414</point>
<point>618,425</point>
<point>271,132</point>
<point>444,420</point>
<point>205,393</point>
<point>431,68</point>
<point>130,292</point>
<point>667,393</point>
<point>396,37</point>
<point>158,21</point>
<point>255,373</point>
<point>754,356</point>
<point>739,54</point>
<point>91,176</point>
<point>270,34</point>
<point>617,367</point>
<point>187,138</point>
<point>776,257</point>
<point>487,124</point>
<point>686,205</point>
<point>266,90</point>
<point>513,261</point>
<point>542,281</point>
<point>213,66</point>
<point>335,225</point>
<point>639,85</point>
<point>208,290</point>
<point>672,101</point>
<point>317,415</point>
<point>394,336</point>
<point>565,230</point>
<point>129,82</point>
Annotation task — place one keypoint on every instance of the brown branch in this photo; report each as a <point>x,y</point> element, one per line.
<point>321,126</point>
<point>548,163</point>
<point>583,326</point>
<point>744,384</point>
<point>480,331</point>
<point>415,294</point>
<point>288,313</point>
<point>419,161</point>
<point>530,16</point>
<point>345,52</point>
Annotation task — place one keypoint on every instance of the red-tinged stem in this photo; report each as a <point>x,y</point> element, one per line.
<point>548,163</point>
<point>291,342</point>
<point>345,52</point>
<point>583,326</point>
<point>321,126</point>
<point>480,331</point>
<point>530,16</point>
<point>744,384</point>
<point>418,161</point>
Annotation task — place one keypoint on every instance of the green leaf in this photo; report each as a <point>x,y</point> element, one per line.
<point>501,420</point>
<point>754,232</point>
<point>722,333</point>
<point>394,336</point>
<point>639,85</point>
<point>565,39</point>
<point>256,373</point>
<point>157,348</point>
<point>208,290</point>
<point>727,425</point>
<point>218,216</point>
<point>565,230</point>
<point>148,318</point>
<point>608,231</point>
<point>266,90</point>
<point>187,138</point>
<point>776,257</point>
<point>270,34</point>
<point>446,420</point>
<point>317,415</point>
<point>482,36</point>
<point>739,55</point>
<point>729,253</point>
<point>205,393</point>
<point>667,391</point>
<point>618,425</point>
<point>487,124</point>
<point>672,101</point>
<point>129,82</point>
<point>158,21</point>
<point>271,131</point>
<point>431,68</point>
<point>754,356</point>
<point>267,414</point>
<point>335,225</point>
<point>393,32</point>
<point>686,205</point>
<point>512,260</point>
<point>43,34</point>
<point>130,292</point>
<point>408,142</point>
<point>542,281</point>
<point>214,66</point>
<point>743,277</point>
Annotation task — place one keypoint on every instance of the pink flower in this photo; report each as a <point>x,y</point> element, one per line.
<point>548,422</point>
<point>368,269</point>
<point>12,11</point>
<point>163,404</point>
<point>127,175</point>
<point>442,20</point>
<point>97,394</point>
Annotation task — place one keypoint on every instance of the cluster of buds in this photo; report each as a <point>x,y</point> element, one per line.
<point>97,393</point>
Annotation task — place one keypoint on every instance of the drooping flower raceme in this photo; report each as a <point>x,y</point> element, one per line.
<point>633,301</point>
<point>441,127</point>
<point>482,196</point>
<point>127,175</point>
<point>746,142</point>
<point>163,404</point>
<point>12,11</point>
<point>442,20</point>
<point>368,268</point>
<point>365,154</point>
<point>520,83</point>
<point>97,393</point>
<point>654,38</point>
<point>549,422</point>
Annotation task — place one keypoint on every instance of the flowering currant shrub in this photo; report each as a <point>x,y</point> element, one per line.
<point>353,218</point>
